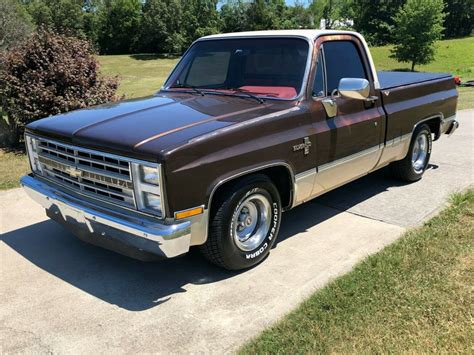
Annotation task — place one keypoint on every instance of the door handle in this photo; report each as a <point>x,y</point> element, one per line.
<point>372,99</point>
<point>330,106</point>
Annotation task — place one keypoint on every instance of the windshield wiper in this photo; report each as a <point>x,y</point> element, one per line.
<point>245,92</point>
<point>183,86</point>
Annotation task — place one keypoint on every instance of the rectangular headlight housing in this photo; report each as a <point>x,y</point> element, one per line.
<point>149,175</point>
<point>148,187</point>
<point>32,150</point>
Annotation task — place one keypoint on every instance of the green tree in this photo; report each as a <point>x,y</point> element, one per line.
<point>330,11</point>
<point>61,16</point>
<point>202,19</point>
<point>15,23</point>
<point>374,19</point>
<point>254,15</point>
<point>161,27</point>
<point>234,16</point>
<point>297,16</point>
<point>418,24</point>
<point>459,19</point>
<point>118,25</point>
<point>91,21</point>
<point>265,14</point>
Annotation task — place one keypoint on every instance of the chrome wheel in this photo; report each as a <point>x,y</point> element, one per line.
<point>251,222</point>
<point>420,153</point>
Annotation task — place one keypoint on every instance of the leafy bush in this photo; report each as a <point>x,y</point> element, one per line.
<point>47,75</point>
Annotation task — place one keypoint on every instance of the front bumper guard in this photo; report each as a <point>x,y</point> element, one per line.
<point>127,234</point>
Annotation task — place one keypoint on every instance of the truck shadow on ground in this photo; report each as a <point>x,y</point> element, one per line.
<point>138,286</point>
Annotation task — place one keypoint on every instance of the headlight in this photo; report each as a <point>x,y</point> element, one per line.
<point>152,201</point>
<point>32,149</point>
<point>150,175</point>
<point>147,182</point>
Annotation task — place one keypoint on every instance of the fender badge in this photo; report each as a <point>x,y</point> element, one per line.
<point>303,146</point>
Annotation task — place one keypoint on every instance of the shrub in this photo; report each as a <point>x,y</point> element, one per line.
<point>47,75</point>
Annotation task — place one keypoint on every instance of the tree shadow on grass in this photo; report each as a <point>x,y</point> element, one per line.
<point>16,150</point>
<point>154,56</point>
<point>405,70</point>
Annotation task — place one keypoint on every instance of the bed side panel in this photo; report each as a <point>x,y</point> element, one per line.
<point>408,105</point>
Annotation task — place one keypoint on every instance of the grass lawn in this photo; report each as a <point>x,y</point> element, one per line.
<point>140,75</point>
<point>12,166</point>
<point>144,74</point>
<point>466,98</point>
<point>415,296</point>
<point>453,56</point>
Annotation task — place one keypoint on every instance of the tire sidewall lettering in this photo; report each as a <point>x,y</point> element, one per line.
<point>430,143</point>
<point>268,241</point>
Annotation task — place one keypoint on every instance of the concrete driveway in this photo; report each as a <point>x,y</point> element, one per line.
<point>61,295</point>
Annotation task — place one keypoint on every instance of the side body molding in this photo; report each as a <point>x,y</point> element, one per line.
<point>315,182</point>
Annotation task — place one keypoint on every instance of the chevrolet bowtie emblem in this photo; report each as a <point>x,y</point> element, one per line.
<point>73,172</point>
<point>303,146</point>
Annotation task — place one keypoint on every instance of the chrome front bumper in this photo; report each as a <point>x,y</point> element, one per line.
<point>124,233</point>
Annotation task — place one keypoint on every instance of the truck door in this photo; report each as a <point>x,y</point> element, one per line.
<point>349,132</point>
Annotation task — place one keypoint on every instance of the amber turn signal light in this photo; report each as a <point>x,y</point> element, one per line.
<point>189,213</point>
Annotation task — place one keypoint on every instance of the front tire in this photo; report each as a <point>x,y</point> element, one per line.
<point>414,165</point>
<point>245,220</point>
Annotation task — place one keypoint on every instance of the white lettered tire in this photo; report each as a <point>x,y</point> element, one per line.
<point>245,220</point>
<point>414,165</point>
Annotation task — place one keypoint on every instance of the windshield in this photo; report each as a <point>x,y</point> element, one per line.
<point>270,67</point>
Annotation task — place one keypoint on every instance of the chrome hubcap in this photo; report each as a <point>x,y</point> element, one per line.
<point>252,222</point>
<point>420,153</point>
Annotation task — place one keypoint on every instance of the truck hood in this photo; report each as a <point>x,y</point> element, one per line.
<point>145,128</point>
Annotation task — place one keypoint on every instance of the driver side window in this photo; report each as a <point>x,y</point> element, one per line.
<point>342,61</point>
<point>336,60</point>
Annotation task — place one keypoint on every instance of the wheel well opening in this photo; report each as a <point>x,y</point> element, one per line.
<point>434,125</point>
<point>280,177</point>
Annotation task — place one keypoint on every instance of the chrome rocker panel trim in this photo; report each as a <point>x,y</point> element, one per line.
<point>124,233</point>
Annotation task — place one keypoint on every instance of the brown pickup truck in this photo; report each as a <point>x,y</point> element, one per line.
<point>247,125</point>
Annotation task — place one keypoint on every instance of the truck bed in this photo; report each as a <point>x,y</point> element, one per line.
<point>409,98</point>
<point>394,79</point>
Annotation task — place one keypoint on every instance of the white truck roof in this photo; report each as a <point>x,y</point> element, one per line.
<point>309,34</point>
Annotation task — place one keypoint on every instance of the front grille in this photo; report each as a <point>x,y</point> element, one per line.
<point>92,173</point>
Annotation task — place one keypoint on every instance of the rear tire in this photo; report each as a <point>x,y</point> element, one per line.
<point>414,165</point>
<point>244,224</point>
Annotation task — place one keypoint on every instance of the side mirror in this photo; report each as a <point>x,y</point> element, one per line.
<point>354,88</point>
